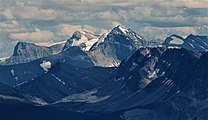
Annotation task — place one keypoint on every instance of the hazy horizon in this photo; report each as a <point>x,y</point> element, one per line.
<point>52,21</point>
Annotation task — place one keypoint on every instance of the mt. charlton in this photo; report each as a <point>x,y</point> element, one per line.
<point>26,52</point>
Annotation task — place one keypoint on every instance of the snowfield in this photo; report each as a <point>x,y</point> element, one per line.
<point>46,65</point>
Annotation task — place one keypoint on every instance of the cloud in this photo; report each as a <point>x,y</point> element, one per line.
<point>36,35</point>
<point>8,14</point>
<point>201,20</point>
<point>33,13</point>
<point>96,2</point>
<point>151,32</point>
<point>6,48</point>
<point>9,24</point>
<point>114,24</point>
<point>185,3</point>
<point>107,15</point>
<point>166,12</point>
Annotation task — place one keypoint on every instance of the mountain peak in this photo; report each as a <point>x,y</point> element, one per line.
<point>120,30</point>
<point>83,39</point>
<point>20,46</point>
<point>190,35</point>
<point>174,39</point>
<point>83,34</point>
<point>77,35</point>
<point>191,42</point>
<point>29,51</point>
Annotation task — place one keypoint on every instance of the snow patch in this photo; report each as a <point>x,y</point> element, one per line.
<point>22,83</point>
<point>80,41</point>
<point>85,40</point>
<point>122,78</point>
<point>11,98</point>
<point>173,47</point>
<point>16,78</point>
<point>45,65</point>
<point>57,78</point>
<point>168,82</point>
<point>125,31</point>
<point>3,59</point>
<point>152,75</point>
<point>163,73</point>
<point>113,64</point>
<point>12,72</point>
<point>38,101</point>
<point>89,44</point>
<point>191,45</point>
<point>48,44</point>
<point>87,97</point>
<point>130,77</point>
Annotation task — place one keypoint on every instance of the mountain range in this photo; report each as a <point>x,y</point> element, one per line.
<point>114,76</point>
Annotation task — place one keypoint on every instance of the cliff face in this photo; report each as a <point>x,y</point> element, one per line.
<point>26,52</point>
<point>119,44</point>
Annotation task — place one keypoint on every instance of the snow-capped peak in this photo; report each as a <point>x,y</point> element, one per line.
<point>120,30</point>
<point>127,32</point>
<point>83,39</point>
<point>83,35</point>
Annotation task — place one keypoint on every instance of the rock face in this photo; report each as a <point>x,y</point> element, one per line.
<point>151,75</point>
<point>63,80</point>
<point>16,74</point>
<point>178,90</point>
<point>6,90</point>
<point>30,50</point>
<point>26,52</point>
<point>57,48</point>
<point>119,44</point>
<point>192,42</point>
<point>20,73</point>
<point>192,102</point>
<point>154,81</point>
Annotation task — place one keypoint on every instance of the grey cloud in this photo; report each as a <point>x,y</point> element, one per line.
<point>92,10</point>
<point>196,11</point>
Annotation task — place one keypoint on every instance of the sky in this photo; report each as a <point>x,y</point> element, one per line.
<point>47,21</point>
